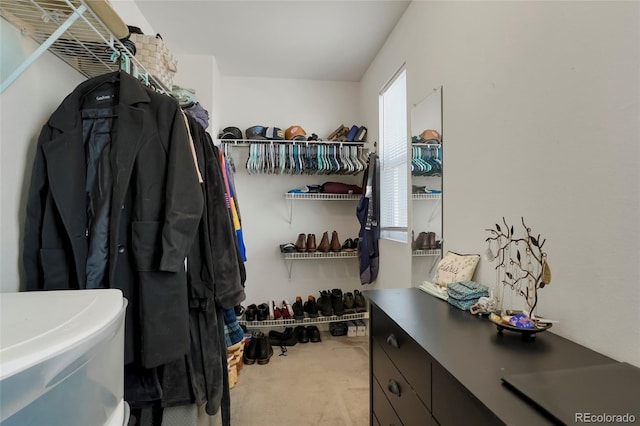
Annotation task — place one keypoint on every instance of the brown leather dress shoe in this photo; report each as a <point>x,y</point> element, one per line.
<point>422,242</point>
<point>432,240</point>
<point>311,243</point>
<point>301,243</point>
<point>324,243</point>
<point>335,242</point>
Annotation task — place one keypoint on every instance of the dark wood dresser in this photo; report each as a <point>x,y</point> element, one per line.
<point>433,364</point>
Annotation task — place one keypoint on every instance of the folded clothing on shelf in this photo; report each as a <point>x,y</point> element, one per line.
<point>340,188</point>
<point>463,294</point>
<point>417,189</point>
<point>434,289</point>
<point>307,189</point>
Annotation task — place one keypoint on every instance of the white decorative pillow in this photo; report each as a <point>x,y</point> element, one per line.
<point>456,267</point>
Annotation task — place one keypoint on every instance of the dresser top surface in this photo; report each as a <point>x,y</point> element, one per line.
<point>470,349</point>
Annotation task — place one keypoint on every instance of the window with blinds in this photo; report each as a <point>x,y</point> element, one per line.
<point>393,158</point>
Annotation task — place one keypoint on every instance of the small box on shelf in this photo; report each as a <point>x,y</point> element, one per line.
<point>352,329</point>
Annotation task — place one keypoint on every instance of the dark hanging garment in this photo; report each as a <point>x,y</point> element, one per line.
<point>114,201</point>
<point>214,281</point>
<point>368,213</point>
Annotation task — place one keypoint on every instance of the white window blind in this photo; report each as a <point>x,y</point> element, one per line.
<point>393,158</point>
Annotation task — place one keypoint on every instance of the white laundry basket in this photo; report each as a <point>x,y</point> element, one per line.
<point>61,358</point>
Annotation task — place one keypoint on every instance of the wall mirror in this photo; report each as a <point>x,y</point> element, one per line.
<point>426,186</point>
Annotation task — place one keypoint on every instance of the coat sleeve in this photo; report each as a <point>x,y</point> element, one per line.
<point>183,198</point>
<point>36,197</point>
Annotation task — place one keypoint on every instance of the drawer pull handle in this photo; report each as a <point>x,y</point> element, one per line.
<point>392,341</point>
<point>393,387</point>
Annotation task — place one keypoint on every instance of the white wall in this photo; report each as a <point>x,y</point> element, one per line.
<point>24,107</point>
<point>317,106</point>
<point>197,72</point>
<point>541,120</point>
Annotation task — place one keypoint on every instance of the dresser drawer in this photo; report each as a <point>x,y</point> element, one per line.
<point>410,359</point>
<point>383,413</point>
<point>454,405</point>
<point>399,393</point>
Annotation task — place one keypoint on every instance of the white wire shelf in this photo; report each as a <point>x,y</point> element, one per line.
<point>426,196</point>
<point>305,321</point>
<point>321,196</point>
<point>247,142</point>
<point>427,253</point>
<point>319,255</point>
<point>425,144</point>
<point>72,32</point>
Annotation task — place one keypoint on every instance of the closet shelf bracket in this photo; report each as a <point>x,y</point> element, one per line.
<point>73,17</point>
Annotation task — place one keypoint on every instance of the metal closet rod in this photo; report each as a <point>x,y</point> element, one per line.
<point>244,142</point>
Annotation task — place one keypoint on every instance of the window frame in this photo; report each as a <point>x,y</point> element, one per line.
<point>394,203</point>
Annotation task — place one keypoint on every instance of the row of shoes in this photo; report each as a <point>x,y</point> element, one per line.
<point>329,303</point>
<point>291,336</point>
<point>258,349</point>
<point>425,241</point>
<point>349,134</point>
<point>307,243</point>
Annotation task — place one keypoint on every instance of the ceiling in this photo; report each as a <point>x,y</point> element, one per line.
<point>302,39</point>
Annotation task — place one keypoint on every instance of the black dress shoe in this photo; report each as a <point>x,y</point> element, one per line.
<point>302,334</point>
<point>314,333</point>
<point>286,338</point>
<point>250,312</point>
<point>263,312</point>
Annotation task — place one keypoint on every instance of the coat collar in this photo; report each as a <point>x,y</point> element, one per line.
<point>131,92</point>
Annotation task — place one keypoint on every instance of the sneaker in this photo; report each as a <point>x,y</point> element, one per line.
<point>336,302</point>
<point>276,312</point>
<point>311,307</point>
<point>286,310</point>
<point>338,328</point>
<point>314,333</point>
<point>239,311</point>
<point>302,334</point>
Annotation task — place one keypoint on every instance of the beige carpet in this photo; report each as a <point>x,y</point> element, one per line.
<point>315,384</point>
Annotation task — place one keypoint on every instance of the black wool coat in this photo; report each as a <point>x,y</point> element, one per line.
<point>154,206</point>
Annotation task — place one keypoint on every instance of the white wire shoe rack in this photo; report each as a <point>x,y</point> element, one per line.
<point>306,321</point>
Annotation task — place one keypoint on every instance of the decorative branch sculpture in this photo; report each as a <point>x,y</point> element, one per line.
<point>535,277</point>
